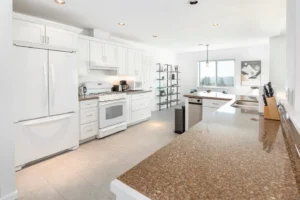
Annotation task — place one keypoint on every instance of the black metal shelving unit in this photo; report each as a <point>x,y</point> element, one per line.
<point>167,70</point>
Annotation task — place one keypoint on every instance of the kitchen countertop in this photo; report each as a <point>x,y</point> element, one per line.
<point>236,154</point>
<point>211,95</point>
<point>90,97</point>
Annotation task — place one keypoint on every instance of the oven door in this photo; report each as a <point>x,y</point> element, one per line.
<point>112,113</point>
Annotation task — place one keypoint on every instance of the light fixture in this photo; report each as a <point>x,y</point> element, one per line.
<point>155,36</point>
<point>215,25</point>
<point>121,24</point>
<point>207,61</point>
<point>61,2</point>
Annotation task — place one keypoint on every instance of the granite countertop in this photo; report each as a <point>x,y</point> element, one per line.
<point>90,97</point>
<point>211,95</point>
<point>236,154</point>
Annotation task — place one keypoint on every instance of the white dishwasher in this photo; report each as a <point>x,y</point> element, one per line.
<point>195,111</point>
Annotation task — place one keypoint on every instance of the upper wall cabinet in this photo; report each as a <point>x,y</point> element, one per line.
<point>60,38</point>
<point>103,56</point>
<point>96,55</point>
<point>35,34</point>
<point>110,55</point>
<point>135,63</point>
<point>28,32</point>
<point>83,56</point>
<point>122,60</point>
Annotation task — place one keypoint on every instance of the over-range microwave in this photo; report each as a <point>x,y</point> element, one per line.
<point>135,85</point>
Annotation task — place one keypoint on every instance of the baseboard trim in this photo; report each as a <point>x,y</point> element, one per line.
<point>11,196</point>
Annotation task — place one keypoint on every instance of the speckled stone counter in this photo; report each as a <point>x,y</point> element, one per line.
<point>90,97</point>
<point>136,91</point>
<point>236,154</point>
<point>211,95</point>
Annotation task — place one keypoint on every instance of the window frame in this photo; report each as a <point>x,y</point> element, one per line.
<point>215,86</point>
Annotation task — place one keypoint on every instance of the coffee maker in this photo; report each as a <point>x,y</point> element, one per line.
<point>124,85</point>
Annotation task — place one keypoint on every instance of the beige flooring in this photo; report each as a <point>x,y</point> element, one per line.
<point>85,174</point>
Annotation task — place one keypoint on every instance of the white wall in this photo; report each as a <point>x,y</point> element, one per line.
<point>293,51</point>
<point>7,174</point>
<point>188,66</point>
<point>278,69</point>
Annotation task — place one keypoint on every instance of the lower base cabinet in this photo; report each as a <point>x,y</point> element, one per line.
<point>88,119</point>
<point>138,107</point>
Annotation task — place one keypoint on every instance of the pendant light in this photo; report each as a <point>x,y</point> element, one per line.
<point>207,61</point>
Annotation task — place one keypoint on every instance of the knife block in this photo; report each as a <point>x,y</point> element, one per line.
<point>271,110</point>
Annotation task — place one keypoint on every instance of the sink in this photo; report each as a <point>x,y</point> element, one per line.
<point>245,103</point>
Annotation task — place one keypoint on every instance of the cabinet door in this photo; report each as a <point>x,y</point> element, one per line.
<point>122,60</point>
<point>96,54</point>
<point>110,55</point>
<point>131,62</point>
<point>30,86</point>
<point>129,111</point>
<point>63,83</point>
<point>83,56</point>
<point>138,63</point>
<point>60,38</point>
<point>206,112</point>
<point>28,32</point>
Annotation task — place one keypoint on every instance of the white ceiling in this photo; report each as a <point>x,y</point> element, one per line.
<point>179,26</point>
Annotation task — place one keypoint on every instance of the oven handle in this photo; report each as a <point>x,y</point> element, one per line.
<point>111,102</point>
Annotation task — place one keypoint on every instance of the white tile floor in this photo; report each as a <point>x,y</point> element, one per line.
<point>85,174</point>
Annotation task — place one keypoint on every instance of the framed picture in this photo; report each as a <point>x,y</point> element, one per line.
<point>251,73</point>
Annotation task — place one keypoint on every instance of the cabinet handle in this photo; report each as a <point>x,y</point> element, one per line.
<point>90,115</point>
<point>43,39</point>
<point>47,40</point>
<point>90,130</point>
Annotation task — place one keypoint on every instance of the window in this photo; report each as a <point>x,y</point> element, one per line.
<point>219,73</point>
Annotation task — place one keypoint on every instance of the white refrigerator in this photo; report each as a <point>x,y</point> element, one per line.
<point>45,103</point>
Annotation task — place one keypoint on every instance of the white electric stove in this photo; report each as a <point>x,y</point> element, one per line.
<point>112,108</point>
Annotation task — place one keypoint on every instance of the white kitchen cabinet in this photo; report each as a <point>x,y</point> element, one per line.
<point>83,56</point>
<point>210,106</point>
<point>62,72</point>
<point>96,54</point>
<point>131,62</point>
<point>140,107</point>
<point>33,33</point>
<point>110,55</point>
<point>60,38</point>
<point>138,65</point>
<point>88,119</point>
<point>103,56</point>
<point>129,112</point>
<point>135,63</point>
<point>122,60</point>
<point>207,111</point>
<point>28,32</point>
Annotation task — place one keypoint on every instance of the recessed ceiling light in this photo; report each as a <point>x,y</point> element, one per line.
<point>193,2</point>
<point>155,36</point>
<point>215,25</point>
<point>60,2</point>
<point>121,24</point>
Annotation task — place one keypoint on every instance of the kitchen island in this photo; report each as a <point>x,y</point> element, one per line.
<point>234,155</point>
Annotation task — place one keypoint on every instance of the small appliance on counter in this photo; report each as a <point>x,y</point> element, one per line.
<point>117,88</point>
<point>124,85</point>
<point>135,85</point>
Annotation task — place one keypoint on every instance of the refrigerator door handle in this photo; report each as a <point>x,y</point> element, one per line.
<point>52,84</point>
<point>46,120</point>
<point>46,82</point>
